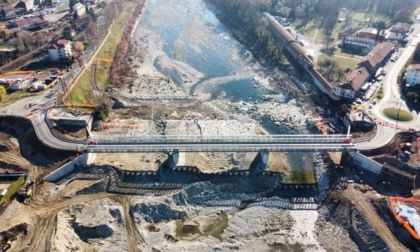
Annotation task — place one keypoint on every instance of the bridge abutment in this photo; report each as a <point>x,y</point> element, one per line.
<point>169,164</point>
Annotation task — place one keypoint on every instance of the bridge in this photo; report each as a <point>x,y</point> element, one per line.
<point>249,143</point>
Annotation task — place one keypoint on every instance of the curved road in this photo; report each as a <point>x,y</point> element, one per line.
<point>387,128</point>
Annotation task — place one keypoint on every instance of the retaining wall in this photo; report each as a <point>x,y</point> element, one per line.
<point>366,163</point>
<point>67,168</point>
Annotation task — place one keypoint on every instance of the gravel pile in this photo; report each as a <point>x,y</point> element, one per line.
<point>156,212</point>
<point>226,128</point>
<point>287,114</point>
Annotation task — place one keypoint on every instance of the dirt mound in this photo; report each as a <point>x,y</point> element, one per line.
<point>93,188</point>
<point>13,233</point>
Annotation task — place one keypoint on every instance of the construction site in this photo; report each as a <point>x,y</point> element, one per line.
<point>190,79</point>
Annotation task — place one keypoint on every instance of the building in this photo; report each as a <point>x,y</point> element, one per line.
<point>412,74</point>
<point>299,54</point>
<point>358,120</point>
<point>377,56</point>
<point>19,84</point>
<point>367,33</point>
<point>60,50</point>
<point>398,31</point>
<point>80,9</point>
<point>352,83</point>
<point>27,5</point>
<point>8,12</point>
<point>356,42</point>
<point>31,23</point>
<point>365,69</point>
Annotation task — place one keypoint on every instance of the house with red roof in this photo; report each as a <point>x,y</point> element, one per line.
<point>365,69</point>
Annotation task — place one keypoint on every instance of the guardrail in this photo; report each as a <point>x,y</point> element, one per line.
<point>250,139</point>
<point>222,148</point>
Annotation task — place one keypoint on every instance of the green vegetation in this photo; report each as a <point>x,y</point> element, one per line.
<point>378,95</point>
<point>3,93</point>
<point>81,93</point>
<point>14,188</point>
<point>15,96</point>
<point>109,48</point>
<point>398,114</point>
<point>343,62</point>
<point>300,176</point>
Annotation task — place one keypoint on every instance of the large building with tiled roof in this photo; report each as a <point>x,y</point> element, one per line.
<point>352,83</point>
<point>299,54</point>
<point>365,69</point>
<point>60,50</point>
<point>380,53</point>
<point>412,74</point>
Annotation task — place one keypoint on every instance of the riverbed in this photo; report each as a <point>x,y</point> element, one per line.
<point>186,52</point>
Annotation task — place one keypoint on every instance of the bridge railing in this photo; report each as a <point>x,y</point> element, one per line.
<point>223,148</point>
<point>219,139</point>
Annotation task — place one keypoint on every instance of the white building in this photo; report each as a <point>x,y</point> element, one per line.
<point>60,50</point>
<point>359,42</point>
<point>19,84</point>
<point>28,5</point>
<point>80,9</point>
<point>412,74</point>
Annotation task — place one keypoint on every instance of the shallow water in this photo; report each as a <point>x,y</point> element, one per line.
<point>212,55</point>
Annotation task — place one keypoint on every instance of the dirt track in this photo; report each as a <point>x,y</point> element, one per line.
<point>364,206</point>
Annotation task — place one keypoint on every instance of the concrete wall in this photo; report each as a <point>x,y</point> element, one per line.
<point>366,163</point>
<point>67,168</point>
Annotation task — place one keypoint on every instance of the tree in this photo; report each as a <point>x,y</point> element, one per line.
<point>79,47</point>
<point>101,112</point>
<point>3,35</point>
<point>380,26</point>
<point>3,93</point>
<point>403,16</point>
<point>71,4</point>
<point>67,33</point>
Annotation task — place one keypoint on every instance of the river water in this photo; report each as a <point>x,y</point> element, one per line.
<point>213,51</point>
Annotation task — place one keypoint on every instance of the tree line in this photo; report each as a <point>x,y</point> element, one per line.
<point>249,26</point>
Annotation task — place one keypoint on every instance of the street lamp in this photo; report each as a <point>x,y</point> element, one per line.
<point>398,115</point>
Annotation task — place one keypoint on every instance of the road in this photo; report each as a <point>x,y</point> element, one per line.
<point>392,98</point>
<point>373,219</point>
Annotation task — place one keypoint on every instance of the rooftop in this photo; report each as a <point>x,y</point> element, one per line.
<point>377,55</point>
<point>355,79</point>
<point>28,21</point>
<point>413,67</point>
<point>400,27</point>
<point>59,44</point>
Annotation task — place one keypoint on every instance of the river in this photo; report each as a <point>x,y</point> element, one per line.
<point>193,34</point>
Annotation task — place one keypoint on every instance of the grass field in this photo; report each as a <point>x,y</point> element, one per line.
<point>81,92</point>
<point>398,114</point>
<point>15,96</point>
<point>343,62</point>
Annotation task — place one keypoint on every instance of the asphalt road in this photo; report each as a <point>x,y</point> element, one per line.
<point>387,128</point>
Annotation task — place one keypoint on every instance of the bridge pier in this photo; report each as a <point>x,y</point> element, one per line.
<point>259,164</point>
<point>169,164</point>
